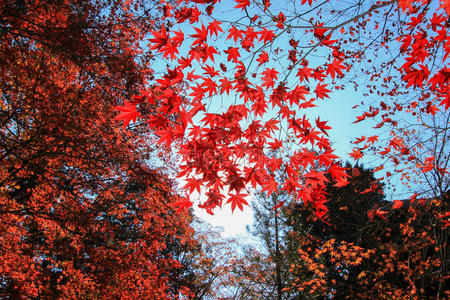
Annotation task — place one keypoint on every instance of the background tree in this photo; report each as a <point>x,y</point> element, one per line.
<point>265,269</point>
<point>82,212</point>
<point>371,248</point>
<point>288,232</point>
<point>211,262</point>
<point>333,252</point>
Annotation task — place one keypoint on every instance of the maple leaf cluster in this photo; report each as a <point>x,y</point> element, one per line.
<point>227,151</point>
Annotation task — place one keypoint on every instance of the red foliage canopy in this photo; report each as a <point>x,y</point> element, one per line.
<point>82,214</point>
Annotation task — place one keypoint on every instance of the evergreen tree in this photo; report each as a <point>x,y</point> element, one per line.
<point>347,227</point>
<point>290,231</point>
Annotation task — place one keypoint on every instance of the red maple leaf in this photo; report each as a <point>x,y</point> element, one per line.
<point>262,58</point>
<point>193,184</point>
<point>266,35</point>
<point>214,28</point>
<point>359,140</point>
<point>304,73</point>
<point>242,4</point>
<point>405,4</point>
<point>275,145</point>
<point>280,20</point>
<point>315,178</point>
<point>359,119</point>
<point>335,68</point>
<point>237,200</point>
<point>270,186</point>
<point>270,75</point>
<point>356,154</point>
<point>322,91</point>
<point>182,204</point>
<point>309,2</point>
<point>322,125</point>
<point>397,204</point>
<point>210,71</point>
<point>170,49</point>
<point>310,136</point>
<point>234,33</point>
<point>372,139</point>
<point>233,54</point>
<point>160,38</point>
<point>200,35</point>
<point>128,113</point>
<point>225,86</point>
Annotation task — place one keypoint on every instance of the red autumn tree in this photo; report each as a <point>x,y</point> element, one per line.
<point>83,214</point>
<point>239,84</point>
